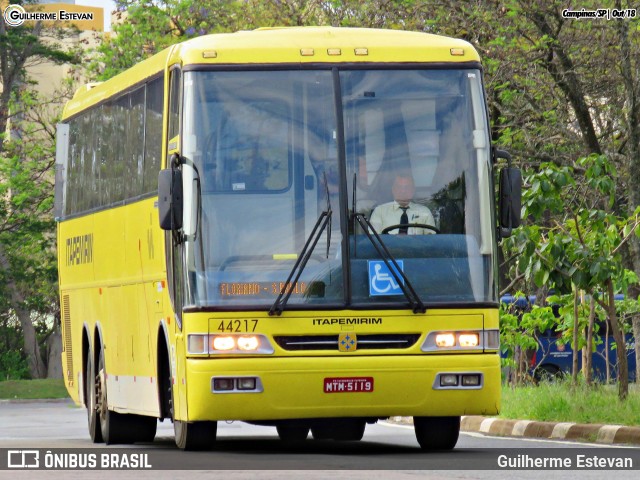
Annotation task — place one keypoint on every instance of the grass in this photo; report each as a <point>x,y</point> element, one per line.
<point>33,389</point>
<point>560,402</point>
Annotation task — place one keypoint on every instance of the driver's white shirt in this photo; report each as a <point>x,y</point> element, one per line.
<point>388,214</point>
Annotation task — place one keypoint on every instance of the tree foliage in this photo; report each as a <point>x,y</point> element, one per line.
<point>28,278</point>
<point>573,240</point>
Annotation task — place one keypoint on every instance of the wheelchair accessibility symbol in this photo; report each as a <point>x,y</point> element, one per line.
<point>381,280</point>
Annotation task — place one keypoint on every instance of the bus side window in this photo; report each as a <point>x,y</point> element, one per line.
<point>174,103</point>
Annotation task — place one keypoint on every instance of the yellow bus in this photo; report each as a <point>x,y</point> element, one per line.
<point>218,259</point>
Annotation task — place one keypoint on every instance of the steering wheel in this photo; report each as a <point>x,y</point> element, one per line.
<point>414,225</point>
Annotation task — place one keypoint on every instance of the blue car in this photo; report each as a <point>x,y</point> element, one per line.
<point>554,358</point>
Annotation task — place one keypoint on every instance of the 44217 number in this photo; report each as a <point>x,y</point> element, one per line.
<point>237,326</point>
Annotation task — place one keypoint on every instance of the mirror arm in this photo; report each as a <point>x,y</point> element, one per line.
<point>502,154</point>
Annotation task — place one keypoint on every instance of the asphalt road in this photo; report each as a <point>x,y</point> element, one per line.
<point>246,451</point>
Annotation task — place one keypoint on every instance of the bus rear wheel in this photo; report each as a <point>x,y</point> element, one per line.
<point>95,431</point>
<point>437,433</point>
<point>108,426</point>
<point>195,435</point>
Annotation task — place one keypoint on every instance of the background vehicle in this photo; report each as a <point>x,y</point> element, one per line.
<point>264,299</point>
<point>554,356</point>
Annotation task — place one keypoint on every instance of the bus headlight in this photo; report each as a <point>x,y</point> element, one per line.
<point>461,340</point>
<point>222,343</point>
<point>216,344</point>
<point>468,339</point>
<point>445,340</point>
<point>248,343</point>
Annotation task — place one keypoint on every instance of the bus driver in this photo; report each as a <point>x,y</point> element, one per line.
<point>402,211</point>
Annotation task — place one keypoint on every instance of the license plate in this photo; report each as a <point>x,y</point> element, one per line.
<point>348,385</point>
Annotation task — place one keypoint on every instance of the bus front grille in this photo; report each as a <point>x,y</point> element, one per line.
<point>331,342</point>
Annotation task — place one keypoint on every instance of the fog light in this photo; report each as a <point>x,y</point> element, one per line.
<point>222,384</point>
<point>248,383</point>
<point>468,339</point>
<point>448,380</point>
<point>470,380</point>
<point>248,343</point>
<point>445,340</point>
<point>223,343</point>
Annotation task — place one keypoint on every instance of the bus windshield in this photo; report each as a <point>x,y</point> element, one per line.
<point>266,153</point>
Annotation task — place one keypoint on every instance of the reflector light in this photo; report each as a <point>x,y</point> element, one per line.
<point>248,343</point>
<point>223,343</point>
<point>445,340</point>
<point>197,344</point>
<point>468,339</point>
<point>470,380</point>
<point>492,339</point>
<point>246,383</point>
<point>448,380</point>
<point>223,384</point>
<point>457,51</point>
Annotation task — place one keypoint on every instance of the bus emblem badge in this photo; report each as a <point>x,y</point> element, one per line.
<point>347,342</point>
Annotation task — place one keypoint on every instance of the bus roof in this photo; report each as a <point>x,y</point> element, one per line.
<point>285,45</point>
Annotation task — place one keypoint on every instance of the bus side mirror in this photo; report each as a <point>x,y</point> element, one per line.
<point>510,197</point>
<point>170,199</point>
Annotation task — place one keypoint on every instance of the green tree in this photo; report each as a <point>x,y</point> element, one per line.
<point>27,263</point>
<point>146,27</point>
<point>579,248</point>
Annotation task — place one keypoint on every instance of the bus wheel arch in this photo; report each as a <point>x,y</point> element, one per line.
<point>188,435</point>
<point>163,366</point>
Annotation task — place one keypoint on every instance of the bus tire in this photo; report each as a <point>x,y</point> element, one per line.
<point>322,433</point>
<point>437,433</point>
<point>143,428</point>
<point>195,435</point>
<point>349,430</point>
<point>112,424</point>
<point>95,431</point>
<point>292,433</point>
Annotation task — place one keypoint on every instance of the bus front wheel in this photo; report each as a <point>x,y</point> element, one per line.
<point>437,433</point>
<point>195,435</point>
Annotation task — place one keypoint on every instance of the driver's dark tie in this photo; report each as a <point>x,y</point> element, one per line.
<point>404,220</point>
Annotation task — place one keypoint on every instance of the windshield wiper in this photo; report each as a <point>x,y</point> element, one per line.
<point>405,285</point>
<point>323,221</point>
